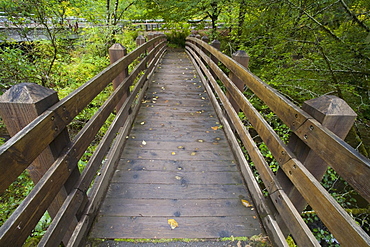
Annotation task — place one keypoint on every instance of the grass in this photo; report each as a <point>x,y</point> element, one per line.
<point>257,240</point>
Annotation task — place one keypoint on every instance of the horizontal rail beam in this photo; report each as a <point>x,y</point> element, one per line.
<point>19,151</point>
<point>345,160</point>
<point>343,227</point>
<point>26,216</point>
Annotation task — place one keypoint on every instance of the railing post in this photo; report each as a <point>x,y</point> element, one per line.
<point>150,37</point>
<point>243,59</point>
<point>116,52</point>
<point>19,106</point>
<point>205,39</point>
<point>140,40</point>
<point>217,45</point>
<point>336,115</point>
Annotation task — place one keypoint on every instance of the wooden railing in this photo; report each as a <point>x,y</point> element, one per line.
<point>303,161</point>
<point>72,198</point>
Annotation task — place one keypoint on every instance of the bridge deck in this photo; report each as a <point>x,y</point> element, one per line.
<point>177,164</point>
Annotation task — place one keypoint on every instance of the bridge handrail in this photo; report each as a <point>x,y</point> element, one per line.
<point>353,167</point>
<point>19,151</point>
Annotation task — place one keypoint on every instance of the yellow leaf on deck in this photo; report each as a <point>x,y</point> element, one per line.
<point>214,128</point>
<point>173,223</point>
<point>246,203</point>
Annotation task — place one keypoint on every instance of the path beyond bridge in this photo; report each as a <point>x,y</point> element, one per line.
<point>177,164</point>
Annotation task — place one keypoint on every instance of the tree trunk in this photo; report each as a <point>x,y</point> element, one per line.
<point>241,17</point>
<point>108,12</point>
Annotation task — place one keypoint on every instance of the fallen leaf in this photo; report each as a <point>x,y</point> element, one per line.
<point>142,123</point>
<point>173,223</point>
<point>173,153</point>
<point>193,153</point>
<point>181,147</point>
<point>144,143</point>
<point>178,177</point>
<point>200,140</point>
<point>246,203</point>
<point>214,128</point>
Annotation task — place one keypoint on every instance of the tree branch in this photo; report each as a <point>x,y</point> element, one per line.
<point>329,32</point>
<point>354,17</point>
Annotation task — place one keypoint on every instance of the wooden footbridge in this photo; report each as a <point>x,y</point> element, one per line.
<point>176,160</point>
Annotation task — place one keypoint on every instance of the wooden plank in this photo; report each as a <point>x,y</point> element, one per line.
<point>349,164</point>
<point>161,125</point>
<point>177,177</point>
<point>171,145</point>
<point>26,216</point>
<point>277,147</point>
<point>178,101</point>
<point>183,190</point>
<point>177,165</point>
<point>18,153</point>
<point>152,181</point>
<point>291,114</point>
<point>199,111</point>
<point>189,227</point>
<point>175,208</point>
<point>275,234</point>
<point>335,218</point>
<point>100,185</point>
<point>295,117</point>
<point>348,222</point>
<point>298,228</point>
<point>176,154</point>
<point>181,137</point>
<point>19,106</point>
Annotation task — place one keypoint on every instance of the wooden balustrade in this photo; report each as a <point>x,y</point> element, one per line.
<point>37,121</point>
<point>48,131</point>
<point>297,160</point>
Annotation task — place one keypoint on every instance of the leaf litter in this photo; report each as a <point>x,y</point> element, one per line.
<point>173,223</point>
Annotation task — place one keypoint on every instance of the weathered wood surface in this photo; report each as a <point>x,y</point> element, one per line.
<point>175,165</point>
<point>299,229</point>
<point>356,168</point>
<point>18,154</point>
<point>329,211</point>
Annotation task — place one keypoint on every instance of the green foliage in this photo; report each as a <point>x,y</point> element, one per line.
<point>14,195</point>
<point>15,68</point>
<point>177,36</point>
<point>303,49</point>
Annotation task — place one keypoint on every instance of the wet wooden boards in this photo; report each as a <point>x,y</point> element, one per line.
<point>177,164</point>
